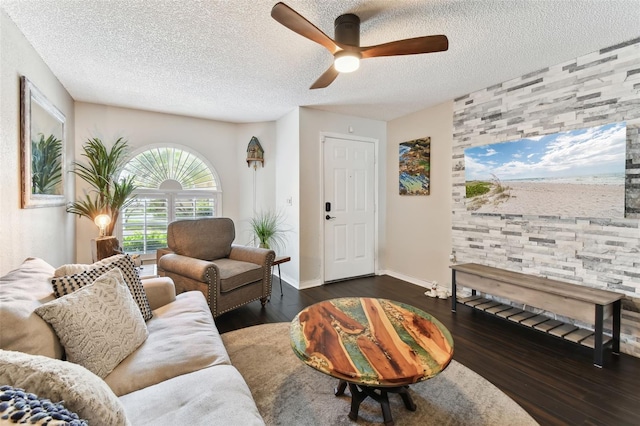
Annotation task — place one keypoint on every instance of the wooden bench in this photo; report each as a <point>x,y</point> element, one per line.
<point>586,304</point>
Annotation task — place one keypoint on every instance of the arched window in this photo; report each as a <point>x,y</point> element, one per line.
<point>173,183</point>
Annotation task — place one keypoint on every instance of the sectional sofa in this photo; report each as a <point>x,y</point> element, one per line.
<point>177,373</point>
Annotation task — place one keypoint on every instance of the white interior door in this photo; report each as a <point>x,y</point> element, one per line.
<point>349,193</point>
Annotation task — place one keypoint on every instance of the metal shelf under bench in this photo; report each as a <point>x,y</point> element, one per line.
<point>582,303</point>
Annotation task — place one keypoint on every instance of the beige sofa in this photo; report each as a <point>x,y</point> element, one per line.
<point>180,375</point>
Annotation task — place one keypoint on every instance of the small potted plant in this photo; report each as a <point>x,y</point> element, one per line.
<point>268,228</point>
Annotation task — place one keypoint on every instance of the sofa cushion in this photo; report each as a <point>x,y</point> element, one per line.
<point>182,338</point>
<point>79,275</point>
<point>81,318</point>
<point>217,396</point>
<point>82,391</point>
<point>235,273</point>
<point>21,292</point>
<point>206,239</point>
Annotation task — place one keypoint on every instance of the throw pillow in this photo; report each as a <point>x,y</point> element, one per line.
<point>98,325</point>
<point>76,268</point>
<point>68,284</point>
<point>82,391</point>
<point>18,406</point>
<point>21,291</point>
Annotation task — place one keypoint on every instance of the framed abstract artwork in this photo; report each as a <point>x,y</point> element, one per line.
<point>415,166</point>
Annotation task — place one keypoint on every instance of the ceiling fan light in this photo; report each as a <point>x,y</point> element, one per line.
<point>346,61</point>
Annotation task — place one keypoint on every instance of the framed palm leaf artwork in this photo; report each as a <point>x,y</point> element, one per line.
<point>42,127</point>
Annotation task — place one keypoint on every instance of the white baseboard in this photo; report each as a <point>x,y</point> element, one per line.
<point>287,280</point>
<point>309,284</point>
<point>412,280</point>
<point>317,283</point>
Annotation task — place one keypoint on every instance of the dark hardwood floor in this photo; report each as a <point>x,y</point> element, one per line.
<point>554,380</point>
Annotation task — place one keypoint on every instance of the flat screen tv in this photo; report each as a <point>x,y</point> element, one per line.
<point>578,173</point>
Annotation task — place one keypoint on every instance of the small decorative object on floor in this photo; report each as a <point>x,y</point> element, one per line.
<point>442,293</point>
<point>433,291</point>
<point>437,291</point>
<point>19,406</point>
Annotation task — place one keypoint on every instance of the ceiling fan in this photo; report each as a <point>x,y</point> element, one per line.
<point>346,48</point>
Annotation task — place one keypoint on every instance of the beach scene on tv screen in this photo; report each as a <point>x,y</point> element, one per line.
<point>578,173</point>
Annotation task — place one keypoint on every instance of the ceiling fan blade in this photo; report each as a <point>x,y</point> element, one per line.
<point>326,78</point>
<point>409,46</point>
<point>297,23</point>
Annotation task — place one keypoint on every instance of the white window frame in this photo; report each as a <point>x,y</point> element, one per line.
<point>171,195</point>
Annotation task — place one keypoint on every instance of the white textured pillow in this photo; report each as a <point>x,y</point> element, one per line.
<point>82,391</point>
<point>98,325</point>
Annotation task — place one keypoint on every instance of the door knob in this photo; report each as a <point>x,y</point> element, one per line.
<point>329,217</point>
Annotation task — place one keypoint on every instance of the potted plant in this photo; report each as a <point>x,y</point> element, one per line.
<point>268,228</point>
<point>109,193</point>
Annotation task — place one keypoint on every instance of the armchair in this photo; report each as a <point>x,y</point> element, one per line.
<point>200,256</point>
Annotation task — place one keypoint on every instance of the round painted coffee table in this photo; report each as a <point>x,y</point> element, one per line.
<point>375,346</point>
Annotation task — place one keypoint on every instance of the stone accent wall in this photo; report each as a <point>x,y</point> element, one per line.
<point>599,88</point>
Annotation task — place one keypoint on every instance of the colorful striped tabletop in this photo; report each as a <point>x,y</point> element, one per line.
<point>373,342</point>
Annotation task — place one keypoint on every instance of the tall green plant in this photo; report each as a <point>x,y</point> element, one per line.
<point>46,165</point>
<point>108,194</point>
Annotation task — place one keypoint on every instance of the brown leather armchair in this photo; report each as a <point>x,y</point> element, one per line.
<point>201,257</point>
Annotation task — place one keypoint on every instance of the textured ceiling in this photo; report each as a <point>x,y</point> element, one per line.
<point>229,60</point>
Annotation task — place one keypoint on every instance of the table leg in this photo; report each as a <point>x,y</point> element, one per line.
<point>598,347</point>
<point>280,279</point>
<point>381,395</point>
<point>386,410</point>
<point>454,298</point>
<point>406,398</point>
<point>617,311</point>
<point>339,390</point>
<point>356,398</point>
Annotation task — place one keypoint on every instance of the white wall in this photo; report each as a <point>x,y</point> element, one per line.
<point>292,169</point>
<point>419,227</point>
<point>222,144</point>
<point>257,186</point>
<point>288,186</point>
<point>42,232</point>
<point>312,124</point>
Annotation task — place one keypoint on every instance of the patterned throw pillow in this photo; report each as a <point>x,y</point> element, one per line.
<point>76,268</point>
<point>83,392</point>
<point>19,406</point>
<point>98,325</point>
<point>68,284</point>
